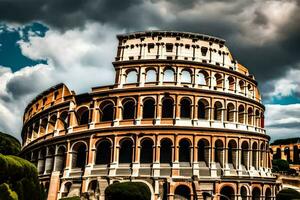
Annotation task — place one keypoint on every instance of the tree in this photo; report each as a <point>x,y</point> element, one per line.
<point>9,145</point>
<point>280,165</point>
<point>128,190</point>
<point>6,193</point>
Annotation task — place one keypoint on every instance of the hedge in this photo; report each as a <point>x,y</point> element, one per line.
<point>288,194</point>
<point>128,190</point>
<point>9,145</point>
<point>6,193</point>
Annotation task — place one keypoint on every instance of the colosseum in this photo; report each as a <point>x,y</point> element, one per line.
<point>183,117</point>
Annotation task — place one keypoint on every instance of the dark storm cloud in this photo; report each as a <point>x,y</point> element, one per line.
<point>227,19</point>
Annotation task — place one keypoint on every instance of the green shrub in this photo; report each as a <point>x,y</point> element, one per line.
<point>71,198</point>
<point>6,193</point>
<point>288,194</point>
<point>9,145</point>
<point>281,165</point>
<point>128,190</point>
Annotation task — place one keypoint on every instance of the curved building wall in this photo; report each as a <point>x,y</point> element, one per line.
<point>188,124</point>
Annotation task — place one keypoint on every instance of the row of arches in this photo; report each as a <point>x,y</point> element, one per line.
<point>233,153</point>
<point>228,193</point>
<point>289,153</point>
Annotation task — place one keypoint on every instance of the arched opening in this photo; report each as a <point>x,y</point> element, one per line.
<point>184,152</point>
<point>278,154</point>
<point>218,111</point>
<point>150,76</point>
<point>242,86</point>
<point>256,194</point>
<point>169,75</point>
<point>128,109</point>
<point>83,115</point>
<point>232,148</point>
<point>244,194</point>
<point>268,194</point>
<point>227,193</point>
<point>167,108</point>
<point>244,154</point>
<point>287,154</point>
<point>182,192</point>
<point>131,77</point>
<point>250,89</point>
<point>203,109</point>
<point>185,108</point>
<point>296,153</point>
<point>202,78</point>
<point>230,112</point>
<point>125,156</point>
<point>51,124</point>
<point>60,159</point>
<point>257,118</point>
<point>219,152</point>
<point>219,80</point>
<point>79,155</point>
<point>203,151</point>
<point>262,120</point>
<point>230,83</point>
<point>250,116</point>
<point>166,151</point>
<point>186,76</point>
<point>63,122</point>
<point>36,130</point>
<point>107,111</point>
<point>262,154</point>
<point>43,126</point>
<point>149,108</point>
<point>103,152</point>
<point>241,114</point>
<point>254,155</point>
<point>41,161</point>
<point>67,188</point>
<point>146,151</point>
<point>49,160</point>
<point>93,189</point>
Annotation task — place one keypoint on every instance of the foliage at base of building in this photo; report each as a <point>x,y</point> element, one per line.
<point>128,190</point>
<point>9,145</point>
<point>288,194</point>
<point>6,193</point>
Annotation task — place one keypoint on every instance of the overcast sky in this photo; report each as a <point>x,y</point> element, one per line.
<point>45,42</point>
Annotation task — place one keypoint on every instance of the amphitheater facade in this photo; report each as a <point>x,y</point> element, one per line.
<point>183,116</point>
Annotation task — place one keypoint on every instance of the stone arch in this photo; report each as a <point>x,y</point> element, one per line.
<point>244,193</point>
<point>66,188</point>
<point>245,154</point>
<point>203,108</point>
<point>278,153</point>
<point>107,111</point>
<point>241,114</point>
<point>232,152</point>
<point>166,152</point>
<point>49,163</point>
<point>51,123</point>
<point>126,151</point>
<point>185,152</point>
<point>151,75</point>
<point>131,76</point>
<point>146,155</point>
<point>83,115</point>
<point>202,78</point>
<point>230,112</point>
<point>203,151</point>
<point>231,83</point>
<point>268,194</point>
<point>93,189</point>
<point>250,116</point>
<point>185,108</point>
<point>257,118</point>
<point>186,76</point>
<point>129,108</point>
<point>227,193</point>
<point>63,121</point>
<point>41,160</point>
<point>256,193</point>
<point>36,129</point>
<point>79,154</point>
<point>218,111</point>
<point>219,80</point>
<point>219,151</point>
<point>149,108</point>
<point>254,155</point>
<point>60,158</point>
<point>43,126</point>
<point>103,152</point>
<point>167,107</point>
<point>169,74</point>
<point>287,153</point>
<point>182,192</point>
<point>242,86</point>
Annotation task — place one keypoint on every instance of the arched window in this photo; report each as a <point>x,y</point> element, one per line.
<point>83,115</point>
<point>41,161</point>
<point>262,120</point>
<point>296,154</point>
<point>167,108</point>
<point>184,152</point>
<point>151,76</point>
<point>230,81</point>
<point>203,109</point>
<point>149,108</point>
<point>219,80</point>
<point>203,151</point>
<point>219,152</point>
<point>244,154</point>
<point>107,111</point>
<point>43,126</point>
<point>287,154</point>
<point>244,194</point>
<point>67,189</point>
<point>128,109</point>
<point>268,194</point>
<point>131,77</point>
<point>49,160</point>
<point>218,111</point>
<point>227,193</point>
<point>254,155</point>
<point>169,75</point>
<point>241,114</point>
<point>79,155</point>
<point>36,129</point>
<point>242,86</point>
<point>257,118</point>
<point>63,122</point>
<point>103,154</point>
<point>93,189</point>
<point>256,194</point>
<point>185,108</point>
<point>60,159</point>
<point>125,155</point>
<point>146,151</point>
<point>51,124</point>
<point>230,112</point>
<point>182,192</point>
<point>166,151</point>
<point>186,76</point>
<point>250,116</point>
<point>232,148</point>
<point>250,89</point>
<point>278,154</point>
<point>262,154</point>
<point>202,78</point>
